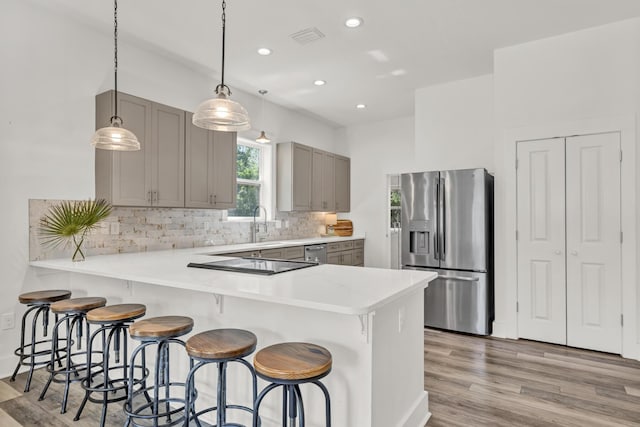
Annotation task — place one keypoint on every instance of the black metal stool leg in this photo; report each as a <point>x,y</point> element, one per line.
<point>45,321</point>
<point>327,401</point>
<point>292,402</point>
<point>258,401</point>
<point>298,394</point>
<point>20,350</point>
<point>51,365</point>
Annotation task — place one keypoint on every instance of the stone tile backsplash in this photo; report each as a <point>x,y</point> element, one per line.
<point>152,229</point>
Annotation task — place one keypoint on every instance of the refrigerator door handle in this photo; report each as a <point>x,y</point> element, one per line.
<point>459,278</point>
<point>442,213</point>
<point>436,235</point>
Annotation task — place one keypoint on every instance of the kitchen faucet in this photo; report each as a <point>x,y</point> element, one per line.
<point>256,227</point>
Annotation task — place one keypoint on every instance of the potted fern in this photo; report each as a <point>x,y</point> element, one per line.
<point>70,221</point>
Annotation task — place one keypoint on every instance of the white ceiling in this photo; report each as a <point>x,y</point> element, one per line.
<point>432,41</point>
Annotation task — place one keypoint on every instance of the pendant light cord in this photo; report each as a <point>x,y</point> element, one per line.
<point>222,87</point>
<point>115,58</point>
<point>224,22</point>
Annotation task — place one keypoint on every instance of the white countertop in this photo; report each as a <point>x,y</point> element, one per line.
<point>334,288</point>
<point>241,247</point>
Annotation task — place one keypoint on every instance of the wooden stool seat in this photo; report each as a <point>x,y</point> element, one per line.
<point>78,305</point>
<point>43,297</point>
<point>221,344</point>
<point>116,313</point>
<point>292,361</point>
<point>161,327</point>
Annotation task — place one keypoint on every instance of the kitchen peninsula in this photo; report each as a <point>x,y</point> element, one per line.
<point>370,319</point>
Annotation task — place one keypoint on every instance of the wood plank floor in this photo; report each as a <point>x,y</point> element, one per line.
<point>476,381</point>
<point>471,382</point>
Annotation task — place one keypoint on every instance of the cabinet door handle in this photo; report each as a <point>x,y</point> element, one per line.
<point>149,198</point>
<point>215,197</point>
<point>210,199</point>
<point>155,195</point>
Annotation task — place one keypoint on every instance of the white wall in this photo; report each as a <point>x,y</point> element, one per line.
<point>376,149</point>
<point>454,125</point>
<point>53,66</point>
<point>453,130</point>
<point>580,77</point>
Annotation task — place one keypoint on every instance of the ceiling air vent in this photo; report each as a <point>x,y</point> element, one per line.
<point>307,35</point>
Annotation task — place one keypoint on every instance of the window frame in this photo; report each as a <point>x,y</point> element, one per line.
<point>261,182</point>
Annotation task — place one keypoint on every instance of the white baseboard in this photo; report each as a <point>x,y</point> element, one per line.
<point>8,364</point>
<point>503,330</point>
<point>418,414</point>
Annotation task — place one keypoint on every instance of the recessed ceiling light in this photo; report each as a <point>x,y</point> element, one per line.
<point>319,82</point>
<point>361,106</point>
<point>264,51</point>
<point>354,22</point>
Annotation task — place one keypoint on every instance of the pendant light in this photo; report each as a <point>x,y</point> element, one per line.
<point>221,113</point>
<point>115,137</point>
<point>263,139</point>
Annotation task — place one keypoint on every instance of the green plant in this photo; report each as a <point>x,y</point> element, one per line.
<point>70,221</point>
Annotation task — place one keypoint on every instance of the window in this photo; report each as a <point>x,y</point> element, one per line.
<point>250,178</point>
<point>394,208</point>
<point>393,182</point>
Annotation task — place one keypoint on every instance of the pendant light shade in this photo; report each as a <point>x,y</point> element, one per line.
<point>221,113</point>
<point>115,137</point>
<point>263,139</point>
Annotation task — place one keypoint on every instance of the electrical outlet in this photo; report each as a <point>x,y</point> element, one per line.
<point>7,321</point>
<point>278,223</point>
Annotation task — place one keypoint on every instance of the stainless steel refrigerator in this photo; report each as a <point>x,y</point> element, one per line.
<point>447,227</point>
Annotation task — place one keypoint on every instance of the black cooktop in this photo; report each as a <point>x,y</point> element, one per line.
<point>263,266</point>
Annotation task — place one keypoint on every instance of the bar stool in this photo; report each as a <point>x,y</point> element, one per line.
<point>73,313</point>
<point>161,332</point>
<point>38,302</point>
<point>108,382</point>
<point>219,346</point>
<point>289,365</point>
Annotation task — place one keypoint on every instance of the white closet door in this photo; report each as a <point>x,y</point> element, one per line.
<point>541,240</point>
<point>593,242</point>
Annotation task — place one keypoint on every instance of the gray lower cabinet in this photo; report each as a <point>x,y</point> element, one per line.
<point>153,176</point>
<point>294,253</point>
<point>342,184</point>
<point>350,252</point>
<point>210,168</point>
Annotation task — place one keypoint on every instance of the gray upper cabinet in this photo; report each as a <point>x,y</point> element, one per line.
<point>342,184</point>
<point>210,168</point>
<point>294,177</point>
<point>312,180</point>
<point>167,159</point>
<point>153,176</point>
<point>323,181</point>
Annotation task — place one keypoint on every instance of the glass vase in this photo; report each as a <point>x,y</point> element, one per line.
<point>78,255</point>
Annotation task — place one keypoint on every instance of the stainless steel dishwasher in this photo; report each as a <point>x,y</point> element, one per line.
<point>316,253</point>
